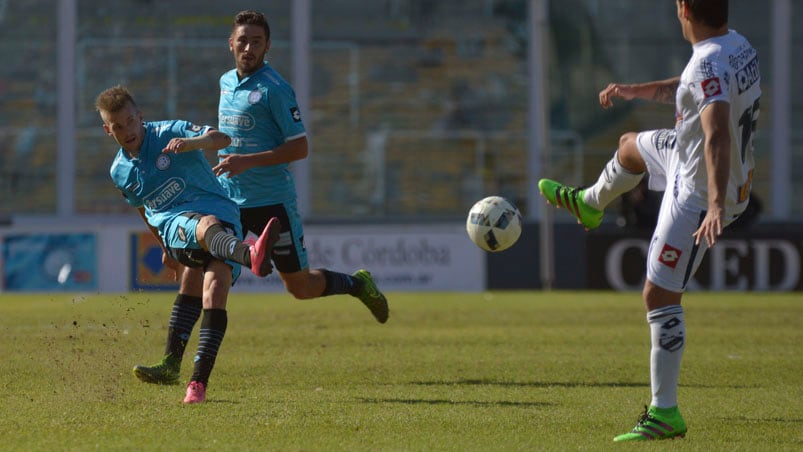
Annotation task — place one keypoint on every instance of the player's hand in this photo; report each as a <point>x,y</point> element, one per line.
<point>606,96</point>
<point>233,164</point>
<point>711,227</point>
<point>175,146</point>
<point>173,266</point>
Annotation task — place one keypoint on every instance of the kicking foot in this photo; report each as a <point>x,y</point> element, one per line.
<point>260,250</point>
<point>571,198</point>
<point>164,373</point>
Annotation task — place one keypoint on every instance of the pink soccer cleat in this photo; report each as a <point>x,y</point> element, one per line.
<point>260,251</point>
<point>196,393</point>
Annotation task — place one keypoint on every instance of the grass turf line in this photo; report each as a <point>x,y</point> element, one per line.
<point>449,371</point>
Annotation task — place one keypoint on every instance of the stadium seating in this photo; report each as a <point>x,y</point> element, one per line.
<point>417,107</point>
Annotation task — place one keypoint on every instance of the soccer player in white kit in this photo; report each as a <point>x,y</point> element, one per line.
<point>704,166</point>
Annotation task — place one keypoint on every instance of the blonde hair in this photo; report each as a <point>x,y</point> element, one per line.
<point>114,99</point>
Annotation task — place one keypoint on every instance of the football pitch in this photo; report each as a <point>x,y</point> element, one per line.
<point>449,371</point>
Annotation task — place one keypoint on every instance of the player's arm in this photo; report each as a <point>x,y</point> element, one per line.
<point>212,140</point>
<point>167,261</point>
<point>289,151</point>
<point>714,120</point>
<point>658,91</point>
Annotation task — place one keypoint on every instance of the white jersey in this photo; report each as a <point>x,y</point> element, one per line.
<point>721,69</point>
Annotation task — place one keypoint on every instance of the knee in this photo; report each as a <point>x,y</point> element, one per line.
<point>203,225</point>
<point>206,221</point>
<point>656,297</point>
<point>629,156</point>
<point>627,140</point>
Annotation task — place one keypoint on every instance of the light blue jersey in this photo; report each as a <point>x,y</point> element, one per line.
<point>170,184</point>
<point>259,113</point>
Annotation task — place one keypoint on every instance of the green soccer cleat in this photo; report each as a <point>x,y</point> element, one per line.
<point>571,198</point>
<point>372,297</point>
<point>164,373</point>
<point>656,423</point>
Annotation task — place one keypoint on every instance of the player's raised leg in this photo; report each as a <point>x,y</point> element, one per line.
<point>621,174</point>
<point>261,249</point>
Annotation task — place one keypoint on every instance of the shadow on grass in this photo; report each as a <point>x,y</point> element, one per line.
<point>500,403</point>
<point>216,401</point>
<point>564,384</point>
<point>751,420</point>
<point>534,384</point>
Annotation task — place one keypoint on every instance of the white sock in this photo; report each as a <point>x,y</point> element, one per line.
<point>614,181</point>
<point>668,335</point>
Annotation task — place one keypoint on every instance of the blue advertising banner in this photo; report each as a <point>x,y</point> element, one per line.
<point>50,262</point>
<point>147,271</point>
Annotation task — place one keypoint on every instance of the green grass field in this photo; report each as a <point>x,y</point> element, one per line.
<point>486,371</point>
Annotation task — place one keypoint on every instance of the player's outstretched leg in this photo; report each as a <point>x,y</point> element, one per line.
<point>260,251</point>
<point>165,372</point>
<point>656,423</point>
<point>571,198</point>
<point>371,296</point>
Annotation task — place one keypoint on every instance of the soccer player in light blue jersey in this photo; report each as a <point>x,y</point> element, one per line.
<point>162,172</point>
<point>258,110</point>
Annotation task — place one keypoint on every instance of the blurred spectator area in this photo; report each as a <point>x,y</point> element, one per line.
<point>418,107</point>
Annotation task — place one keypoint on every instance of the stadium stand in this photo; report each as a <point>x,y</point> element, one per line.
<point>417,106</point>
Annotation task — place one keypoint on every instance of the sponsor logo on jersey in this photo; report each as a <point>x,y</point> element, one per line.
<point>748,75</point>
<point>295,114</point>
<point>706,69</point>
<point>236,119</point>
<point>165,194</point>
<point>254,96</point>
<point>711,87</point>
<point>669,256</point>
<point>163,162</point>
<point>195,128</point>
<point>739,60</point>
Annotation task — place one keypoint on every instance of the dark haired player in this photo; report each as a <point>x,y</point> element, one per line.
<point>704,166</point>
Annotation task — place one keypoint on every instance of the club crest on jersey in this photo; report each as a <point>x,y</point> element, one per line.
<point>711,87</point>
<point>254,96</point>
<point>295,114</point>
<point>669,256</point>
<point>162,162</point>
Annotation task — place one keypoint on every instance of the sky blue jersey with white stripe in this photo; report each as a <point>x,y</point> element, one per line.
<point>170,184</point>
<point>259,113</point>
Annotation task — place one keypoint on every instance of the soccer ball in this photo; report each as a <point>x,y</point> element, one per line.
<point>494,223</point>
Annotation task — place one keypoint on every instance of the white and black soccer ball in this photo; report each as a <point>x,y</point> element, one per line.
<point>494,223</point>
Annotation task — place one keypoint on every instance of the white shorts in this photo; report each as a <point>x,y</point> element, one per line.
<point>673,257</point>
